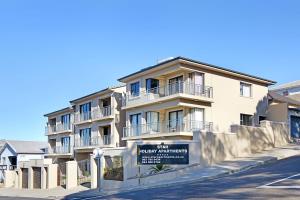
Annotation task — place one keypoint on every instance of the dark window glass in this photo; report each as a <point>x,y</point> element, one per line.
<point>246,120</point>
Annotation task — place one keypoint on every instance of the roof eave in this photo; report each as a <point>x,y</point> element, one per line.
<point>259,79</point>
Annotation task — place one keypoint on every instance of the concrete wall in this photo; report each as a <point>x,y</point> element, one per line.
<point>48,173</point>
<point>278,112</point>
<point>205,149</point>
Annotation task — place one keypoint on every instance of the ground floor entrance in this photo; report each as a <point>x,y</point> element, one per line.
<point>24,178</point>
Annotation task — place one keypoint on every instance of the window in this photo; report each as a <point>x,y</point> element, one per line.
<point>245,90</point>
<point>246,120</point>
<point>176,120</point>
<point>176,85</point>
<point>85,111</point>
<point>152,85</point>
<point>65,141</point>
<point>152,120</point>
<point>135,89</point>
<point>85,136</point>
<point>65,144</point>
<point>197,118</point>
<point>261,118</point>
<point>135,121</point>
<point>65,120</point>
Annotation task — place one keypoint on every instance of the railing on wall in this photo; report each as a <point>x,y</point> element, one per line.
<point>167,127</point>
<point>52,129</point>
<point>168,90</point>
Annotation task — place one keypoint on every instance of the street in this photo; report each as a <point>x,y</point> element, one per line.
<point>279,180</point>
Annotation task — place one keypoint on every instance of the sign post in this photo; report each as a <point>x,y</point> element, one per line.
<point>98,153</point>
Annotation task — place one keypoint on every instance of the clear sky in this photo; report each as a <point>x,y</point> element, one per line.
<point>55,51</point>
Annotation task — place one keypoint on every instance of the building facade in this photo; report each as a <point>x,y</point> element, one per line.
<point>286,101</point>
<point>91,122</point>
<point>15,151</point>
<point>174,98</point>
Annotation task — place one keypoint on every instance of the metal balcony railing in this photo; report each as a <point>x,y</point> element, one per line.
<point>81,117</point>
<point>167,127</point>
<point>52,129</point>
<point>106,139</point>
<point>61,150</point>
<point>87,142</point>
<point>168,90</point>
<point>100,113</point>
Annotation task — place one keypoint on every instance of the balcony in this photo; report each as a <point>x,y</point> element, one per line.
<point>83,117</point>
<point>93,142</point>
<point>95,115</point>
<point>60,150</point>
<point>165,129</point>
<point>102,113</point>
<point>170,91</point>
<point>106,140</point>
<point>59,128</point>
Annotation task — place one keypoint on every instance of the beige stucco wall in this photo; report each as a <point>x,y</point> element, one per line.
<point>205,149</point>
<point>227,103</point>
<point>278,112</point>
<point>48,173</point>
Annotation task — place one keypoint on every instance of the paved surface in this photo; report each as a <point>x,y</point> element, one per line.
<point>281,178</point>
<point>193,175</point>
<point>18,198</point>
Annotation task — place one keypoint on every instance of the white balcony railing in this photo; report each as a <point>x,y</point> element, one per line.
<point>81,117</point>
<point>59,150</point>
<point>167,127</point>
<point>168,90</point>
<point>95,114</point>
<point>106,140</point>
<point>100,113</point>
<point>93,141</point>
<point>52,129</point>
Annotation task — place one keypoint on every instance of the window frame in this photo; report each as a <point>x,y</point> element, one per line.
<point>136,87</point>
<point>242,91</point>
<point>243,121</point>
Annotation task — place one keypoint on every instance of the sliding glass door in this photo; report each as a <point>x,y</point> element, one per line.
<point>135,122</point>
<point>152,120</point>
<point>85,111</point>
<point>176,121</point>
<point>176,85</point>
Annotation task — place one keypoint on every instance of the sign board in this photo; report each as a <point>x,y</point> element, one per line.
<point>3,167</point>
<point>167,154</point>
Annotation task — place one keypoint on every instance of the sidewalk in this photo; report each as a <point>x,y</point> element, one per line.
<point>193,174</point>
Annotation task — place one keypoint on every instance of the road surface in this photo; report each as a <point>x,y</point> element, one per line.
<point>280,180</point>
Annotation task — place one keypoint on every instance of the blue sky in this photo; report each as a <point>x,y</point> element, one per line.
<point>54,51</point>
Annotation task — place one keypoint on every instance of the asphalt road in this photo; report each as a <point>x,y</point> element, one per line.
<point>271,180</point>
<point>18,198</point>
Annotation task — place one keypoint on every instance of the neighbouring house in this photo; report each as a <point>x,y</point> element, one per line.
<point>15,151</point>
<point>285,109</point>
<point>292,89</point>
<point>93,121</point>
<point>2,142</point>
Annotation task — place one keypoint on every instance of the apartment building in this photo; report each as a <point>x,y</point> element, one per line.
<point>172,99</point>
<point>59,130</point>
<point>97,121</point>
